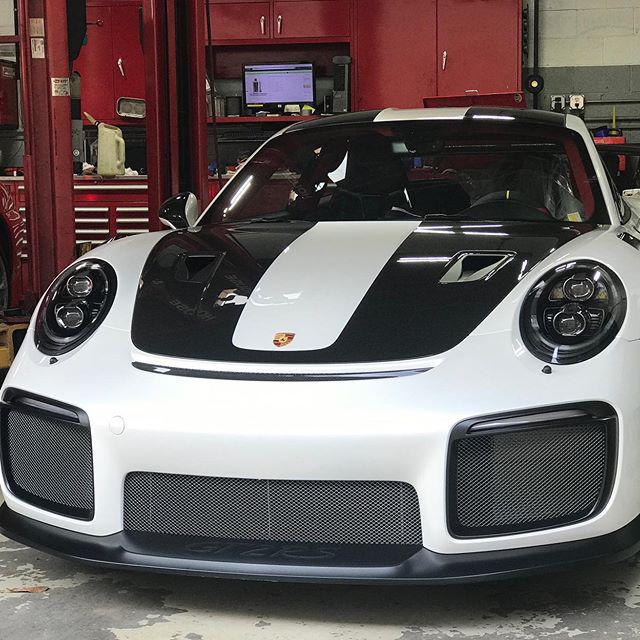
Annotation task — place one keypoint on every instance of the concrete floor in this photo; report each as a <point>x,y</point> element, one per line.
<point>87,604</point>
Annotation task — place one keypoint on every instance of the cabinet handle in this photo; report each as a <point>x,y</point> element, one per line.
<point>471,91</point>
<point>98,23</point>
<point>121,67</point>
<point>262,25</point>
<point>141,27</point>
<point>444,60</point>
<point>279,25</point>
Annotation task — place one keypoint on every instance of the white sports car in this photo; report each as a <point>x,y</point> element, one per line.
<point>398,346</point>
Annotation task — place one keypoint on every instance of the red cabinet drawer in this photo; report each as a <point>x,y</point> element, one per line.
<point>311,19</point>
<point>240,20</point>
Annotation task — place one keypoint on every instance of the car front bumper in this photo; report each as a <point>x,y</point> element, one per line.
<point>396,429</point>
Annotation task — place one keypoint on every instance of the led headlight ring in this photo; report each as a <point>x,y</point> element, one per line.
<point>573,312</point>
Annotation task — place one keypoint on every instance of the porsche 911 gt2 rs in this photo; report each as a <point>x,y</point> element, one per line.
<point>398,346</point>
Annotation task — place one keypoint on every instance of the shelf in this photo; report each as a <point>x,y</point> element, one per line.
<point>247,119</point>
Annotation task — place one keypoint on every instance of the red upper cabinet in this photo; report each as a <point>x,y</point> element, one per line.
<point>479,46</point>
<point>407,50</point>
<point>312,18</point>
<point>127,52</point>
<point>240,20</point>
<point>95,65</point>
<point>395,54</point>
<point>277,20</point>
<point>111,62</point>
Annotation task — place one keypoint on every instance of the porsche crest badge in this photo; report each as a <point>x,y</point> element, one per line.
<point>282,339</point>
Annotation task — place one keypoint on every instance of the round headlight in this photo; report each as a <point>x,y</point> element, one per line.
<point>578,289</point>
<point>79,286</point>
<point>69,316</point>
<point>74,306</point>
<point>573,312</point>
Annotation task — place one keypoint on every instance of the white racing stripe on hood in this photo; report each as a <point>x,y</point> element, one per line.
<point>314,286</point>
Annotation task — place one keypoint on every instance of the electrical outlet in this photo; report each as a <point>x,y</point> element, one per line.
<point>576,102</point>
<point>558,103</point>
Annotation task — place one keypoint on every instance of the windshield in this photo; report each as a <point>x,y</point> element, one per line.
<point>465,170</point>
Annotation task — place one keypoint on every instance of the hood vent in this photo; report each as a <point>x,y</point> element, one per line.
<point>476,265</point>
<point>197,267</point>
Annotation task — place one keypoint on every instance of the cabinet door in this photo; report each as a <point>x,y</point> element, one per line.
<point>95,65</point>
<point>240,20</point>
<point>478,46</point>
<point>395,65</point>
<point>311,19</point>
<point>128,58</point>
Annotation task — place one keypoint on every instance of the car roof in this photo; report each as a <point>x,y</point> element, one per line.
<point>532,116</point>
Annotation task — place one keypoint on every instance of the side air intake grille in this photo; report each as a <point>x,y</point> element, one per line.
<point>47,456</point>
<point>340,512</point>
<point>530,476</point>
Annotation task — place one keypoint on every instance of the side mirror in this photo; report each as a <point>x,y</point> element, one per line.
<point>180,212</point>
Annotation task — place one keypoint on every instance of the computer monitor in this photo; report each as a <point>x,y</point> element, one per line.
<point>278,83</point>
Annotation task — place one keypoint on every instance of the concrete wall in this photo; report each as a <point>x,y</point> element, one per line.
<point>593,47</point>
<point>585,33</point>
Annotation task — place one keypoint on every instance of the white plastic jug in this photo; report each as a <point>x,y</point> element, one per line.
<point>111,151</point>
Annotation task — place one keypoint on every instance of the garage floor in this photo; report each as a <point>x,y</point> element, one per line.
<point>89,604</point>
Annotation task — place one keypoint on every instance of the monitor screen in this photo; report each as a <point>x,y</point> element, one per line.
<point>278,83</point>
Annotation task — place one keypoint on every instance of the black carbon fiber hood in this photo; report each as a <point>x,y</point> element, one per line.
<point>406,313</point>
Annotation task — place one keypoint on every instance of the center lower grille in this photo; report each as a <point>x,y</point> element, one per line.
<point>312,511</point>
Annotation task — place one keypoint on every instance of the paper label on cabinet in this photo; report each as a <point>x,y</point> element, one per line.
<point>36,27</point>
<point>60,87</point>
<point>37,47</point>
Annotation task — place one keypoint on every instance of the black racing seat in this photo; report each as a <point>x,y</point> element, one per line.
<point>438,196</point>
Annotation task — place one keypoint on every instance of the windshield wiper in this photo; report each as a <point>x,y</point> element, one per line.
<point>282,216</point>
<point>444,216</point>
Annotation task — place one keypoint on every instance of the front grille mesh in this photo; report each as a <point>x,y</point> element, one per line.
<point>48,461</point>
<point>340,512</point>
<point>528,479</point>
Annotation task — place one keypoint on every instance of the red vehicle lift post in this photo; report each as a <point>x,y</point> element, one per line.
<point>46,112</point>
<point>176,123</point>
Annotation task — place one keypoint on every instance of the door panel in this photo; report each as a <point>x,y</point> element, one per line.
<point>478,46</point>
<point>240,20</point>
<point>396,53</point>
<point>128,57</point>
<point>311,19</point>
<point>95,65</point>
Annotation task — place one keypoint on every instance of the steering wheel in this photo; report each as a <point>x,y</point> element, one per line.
<point>503,205</point>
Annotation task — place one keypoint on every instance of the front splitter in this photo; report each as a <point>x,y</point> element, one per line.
<point>294,562</point>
